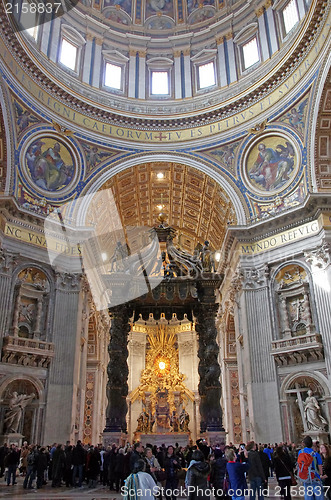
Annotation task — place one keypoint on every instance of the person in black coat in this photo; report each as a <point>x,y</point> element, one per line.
<point>58,466</point>
<point>94,463</point>
<point>78,461</point>
<point>68,466</point>
<point>171,465</point>
<point>3,452</point>
<point>283,470</point>
<point>119,469</point>
<point>202,445</point>
<point>196,477</point>
<point>11,461</point>
<point>41,466</point>
<point>218,473</point>
<point>266,464</point>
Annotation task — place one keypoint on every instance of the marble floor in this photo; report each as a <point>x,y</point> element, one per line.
<point>99,493</point>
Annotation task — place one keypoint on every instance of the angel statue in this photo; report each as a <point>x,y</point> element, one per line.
<point>14,415</point>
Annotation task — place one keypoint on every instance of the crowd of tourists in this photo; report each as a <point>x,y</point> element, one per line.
<point>197,471</point>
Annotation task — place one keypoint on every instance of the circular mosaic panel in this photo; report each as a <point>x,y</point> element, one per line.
<point>50,164</point>
<point>271,163</point>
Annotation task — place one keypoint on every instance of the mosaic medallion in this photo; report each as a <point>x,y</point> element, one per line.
<point>50,164</point>
<point>271,163</point>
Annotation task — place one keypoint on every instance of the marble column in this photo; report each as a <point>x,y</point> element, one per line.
<point>117,370</point>
<point>209,369</point>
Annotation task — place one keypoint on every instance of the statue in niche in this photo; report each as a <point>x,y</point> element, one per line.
<point>118,258</point>
<point>174,422</point>
<point>184,420</point>
<point>312,413</point>
<point>140,421</point>
<point>14,415</point>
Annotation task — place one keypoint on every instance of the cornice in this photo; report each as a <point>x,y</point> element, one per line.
<point>309,210</point>
<point>92,111</point>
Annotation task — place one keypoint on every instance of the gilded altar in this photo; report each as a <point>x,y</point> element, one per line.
<point>162,395</point>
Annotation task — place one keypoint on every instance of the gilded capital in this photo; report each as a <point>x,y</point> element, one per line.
<point>259,12</point>
<point>229,35</point>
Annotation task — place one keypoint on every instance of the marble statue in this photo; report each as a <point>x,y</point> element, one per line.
<point>184,420</point>
<point>14,415</point>
<point>312,413</point>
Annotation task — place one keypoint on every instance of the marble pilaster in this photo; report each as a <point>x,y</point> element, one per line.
<point>64,371</point>
<point>132,74</point>
<point>187,74</point>
<point>221,63</point>
<point>97,62</point>
<point>319,261</point>
<point>272,29</point>
<point>142,75</point>
<point>87,59</point>
<point>260,370</point>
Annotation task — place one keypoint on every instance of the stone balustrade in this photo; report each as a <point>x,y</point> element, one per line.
<point>27,352</point>
<point>301,349</point>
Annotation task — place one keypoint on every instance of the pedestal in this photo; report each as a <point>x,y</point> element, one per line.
<point>12,438</point>
<point>109,438</point>
<point>215,437</point>
<point>321,436</point>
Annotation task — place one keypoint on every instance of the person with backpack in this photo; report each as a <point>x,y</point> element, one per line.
<point>310,470</point>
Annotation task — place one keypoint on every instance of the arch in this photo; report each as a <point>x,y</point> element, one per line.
<point>201,166</point>
<point>316,375</point>
<point>317,175</point>
<point>34,381</point>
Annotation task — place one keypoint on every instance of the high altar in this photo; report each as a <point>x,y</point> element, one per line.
<point>164,402</point>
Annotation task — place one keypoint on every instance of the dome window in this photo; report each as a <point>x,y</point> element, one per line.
<point>71,47</point>
<point>113,76</point>
<point>33,31</point>
<point>206,75</point>
<point>290,16</point>
<point>68,56</point>
<point>160,83</point>
<point>250,52</point>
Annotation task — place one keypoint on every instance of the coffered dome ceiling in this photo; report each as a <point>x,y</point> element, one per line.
<point>194,204</point>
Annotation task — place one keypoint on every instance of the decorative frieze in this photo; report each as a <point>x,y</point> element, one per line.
<point>8,261</point>
<point>320,257</point>
<point>68,282</point>
<point>253,278</point>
